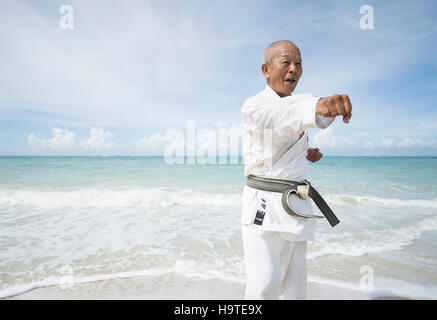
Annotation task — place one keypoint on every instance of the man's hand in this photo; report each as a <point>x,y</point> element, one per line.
<point>314,155</point>
<point>336,105</point>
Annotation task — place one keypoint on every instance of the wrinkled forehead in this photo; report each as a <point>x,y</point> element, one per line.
<point>287,51</point>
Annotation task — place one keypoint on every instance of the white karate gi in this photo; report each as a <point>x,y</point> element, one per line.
<point>273,147</point>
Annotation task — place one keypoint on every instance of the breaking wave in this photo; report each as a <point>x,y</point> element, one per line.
<point>105,198</point>
<point>162,198</point>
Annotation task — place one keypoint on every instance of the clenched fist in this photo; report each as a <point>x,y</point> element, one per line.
<point>314,155</point>
<point>336,105</point>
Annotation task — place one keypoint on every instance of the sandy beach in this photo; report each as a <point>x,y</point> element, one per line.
<point>174,286</point>
<point>125,235</point>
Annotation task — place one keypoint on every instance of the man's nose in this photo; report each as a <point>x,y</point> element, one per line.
<point>292,68</point>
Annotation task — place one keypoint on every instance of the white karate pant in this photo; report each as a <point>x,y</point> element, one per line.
<point>275,267</point>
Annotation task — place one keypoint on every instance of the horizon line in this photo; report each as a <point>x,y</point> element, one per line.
<point>162,156</point>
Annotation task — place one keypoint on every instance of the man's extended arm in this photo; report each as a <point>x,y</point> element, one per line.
<point>336,105</point>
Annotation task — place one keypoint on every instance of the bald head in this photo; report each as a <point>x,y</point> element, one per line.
<point>282,66</point>
<point>272,50</point>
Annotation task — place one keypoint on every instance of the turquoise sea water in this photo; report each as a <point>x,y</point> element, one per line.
<point>101,216</point>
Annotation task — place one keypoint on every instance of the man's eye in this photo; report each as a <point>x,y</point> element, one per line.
<point>285,62</point>
<point>298,63</point>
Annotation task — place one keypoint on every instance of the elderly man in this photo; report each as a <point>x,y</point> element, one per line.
<point>276,225</point>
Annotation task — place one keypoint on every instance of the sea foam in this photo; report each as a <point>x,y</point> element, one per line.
<point>162,198</point>
<point>369,241</point>
<point>106,198</point>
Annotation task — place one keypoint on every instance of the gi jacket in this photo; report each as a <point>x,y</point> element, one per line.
<point>275,145</point>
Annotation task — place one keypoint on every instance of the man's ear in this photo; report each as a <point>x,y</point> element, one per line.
<point>265,68</point>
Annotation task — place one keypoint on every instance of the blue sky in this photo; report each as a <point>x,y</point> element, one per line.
<point>130,71</point>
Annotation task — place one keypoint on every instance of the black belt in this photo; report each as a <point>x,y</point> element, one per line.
<point>302,189</point>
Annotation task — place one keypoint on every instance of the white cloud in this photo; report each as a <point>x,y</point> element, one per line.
<point>62,140</point>
<point>156,143</point>
<point>329,139</point>
<point>369,145</point>
<point>350,143</point>
<point>409,142</point>
<point>209,142</point>
<point>387,143</point>
<point>205,142</point>
<point>414,142</point>
<point>159,63</point>
<point>115,58</point>
<point>152,140</point>
<point>325,138</point>
<point>221,124</point>
<point>98,139</point>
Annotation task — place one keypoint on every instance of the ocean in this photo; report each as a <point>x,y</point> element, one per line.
<point>83,219</point>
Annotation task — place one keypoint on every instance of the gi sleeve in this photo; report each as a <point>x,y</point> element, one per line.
<point>324,122</point>
<point>286,117</point>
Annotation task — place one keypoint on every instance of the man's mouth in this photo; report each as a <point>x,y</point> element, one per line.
<point>290,80</point>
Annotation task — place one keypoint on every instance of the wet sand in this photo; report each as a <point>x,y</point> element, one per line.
<point>174,286</point>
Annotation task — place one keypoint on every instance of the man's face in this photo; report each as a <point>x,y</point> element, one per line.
<point>283,73</point>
